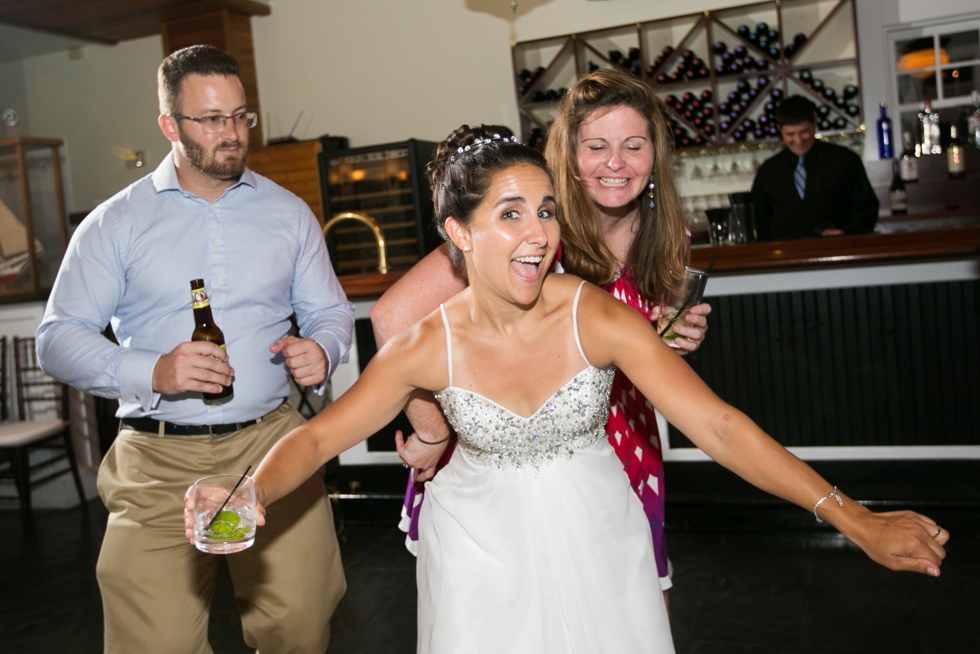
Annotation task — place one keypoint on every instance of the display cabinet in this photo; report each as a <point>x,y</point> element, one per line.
<point>720,74</point>
<point>386,182</point>
<point>33,222</point>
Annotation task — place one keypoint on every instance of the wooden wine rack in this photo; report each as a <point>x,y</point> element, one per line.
<point>543,68</point>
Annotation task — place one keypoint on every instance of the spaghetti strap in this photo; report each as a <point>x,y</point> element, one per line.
<point>578,342</point>
<point>449,342</point>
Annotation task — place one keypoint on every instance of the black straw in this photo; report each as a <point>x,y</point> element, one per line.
<point>686,305</point>
<point>221,508</point>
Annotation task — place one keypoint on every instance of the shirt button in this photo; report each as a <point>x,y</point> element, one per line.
<point>214,243</point>
<point>217,284</point>
<point>138,398</point>
<point>186,195</point>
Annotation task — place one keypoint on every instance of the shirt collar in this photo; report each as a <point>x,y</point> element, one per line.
<point>165,177</point>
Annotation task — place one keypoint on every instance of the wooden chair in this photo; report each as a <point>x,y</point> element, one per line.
<point>44,427</point>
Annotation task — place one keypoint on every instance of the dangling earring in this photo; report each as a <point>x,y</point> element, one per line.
<point>650,188</point>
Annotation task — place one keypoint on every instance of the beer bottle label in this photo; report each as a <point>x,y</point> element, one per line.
<point>199,298</point>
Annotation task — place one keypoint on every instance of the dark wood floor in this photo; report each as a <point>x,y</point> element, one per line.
<point>749,578</point>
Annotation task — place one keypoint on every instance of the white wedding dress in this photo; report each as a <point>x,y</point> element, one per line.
<point>531,539</point>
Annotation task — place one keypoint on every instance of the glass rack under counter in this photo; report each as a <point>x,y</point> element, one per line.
<point>33,219</point>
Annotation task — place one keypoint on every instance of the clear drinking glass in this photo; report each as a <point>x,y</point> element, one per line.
<point>690,295</point>
<point>233,530</point>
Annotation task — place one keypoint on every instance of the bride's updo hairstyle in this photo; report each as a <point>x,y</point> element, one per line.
<point>464,167</point>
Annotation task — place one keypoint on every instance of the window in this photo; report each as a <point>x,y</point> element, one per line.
<point>939,62</point>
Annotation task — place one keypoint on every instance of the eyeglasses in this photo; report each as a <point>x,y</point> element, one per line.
<point>216,124</point>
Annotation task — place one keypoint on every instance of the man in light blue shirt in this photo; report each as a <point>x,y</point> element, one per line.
<point>201,215</point>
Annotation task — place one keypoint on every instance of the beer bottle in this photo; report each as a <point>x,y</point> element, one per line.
<point>206,330</point>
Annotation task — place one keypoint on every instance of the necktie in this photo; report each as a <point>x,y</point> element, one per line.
<point>799,178</point>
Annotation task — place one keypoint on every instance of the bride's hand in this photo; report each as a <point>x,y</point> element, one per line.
<point>189,514</point>
<point>419,455</point>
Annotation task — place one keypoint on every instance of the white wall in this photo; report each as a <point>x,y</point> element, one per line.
<point>101,105</point>
<point>13,94</point>
<point>917,10</point>
<point>388,70</point>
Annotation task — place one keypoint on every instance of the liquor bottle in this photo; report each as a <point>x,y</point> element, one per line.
<point>929,127</point>
<point>896,195</point>
<point>908,165</point>
<point>884,133</point>
<point>955,161</point>
<point>206,330</point>
<point>973,122</point>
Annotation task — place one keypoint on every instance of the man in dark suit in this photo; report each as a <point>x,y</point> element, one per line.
<point>811,188</point>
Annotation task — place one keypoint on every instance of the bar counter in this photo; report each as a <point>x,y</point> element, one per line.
<point>917,238</point>
<point>863,347</point>
<point>931,237</point>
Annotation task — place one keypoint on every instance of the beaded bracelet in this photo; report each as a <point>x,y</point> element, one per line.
<point>834,494</point>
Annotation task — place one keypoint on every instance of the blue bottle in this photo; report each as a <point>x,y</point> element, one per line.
<point>885,140</point>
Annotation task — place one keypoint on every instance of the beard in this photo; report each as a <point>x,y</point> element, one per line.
<point>207,162</point>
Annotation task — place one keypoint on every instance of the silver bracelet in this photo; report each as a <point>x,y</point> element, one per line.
<point>834,494</point>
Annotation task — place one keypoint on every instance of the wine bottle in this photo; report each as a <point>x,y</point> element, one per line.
<point>885,140</point>
<point>908,165</point>
<point>929,131</point>
<point>955,162</point>
<point>897,196</point>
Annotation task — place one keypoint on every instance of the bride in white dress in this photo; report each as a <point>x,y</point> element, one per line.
<point>533,540</point>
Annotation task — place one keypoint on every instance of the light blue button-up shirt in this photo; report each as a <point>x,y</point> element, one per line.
<point>262,256</point>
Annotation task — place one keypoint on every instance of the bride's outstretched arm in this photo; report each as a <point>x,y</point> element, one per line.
<point>409,361</point>
<point>900,540</point>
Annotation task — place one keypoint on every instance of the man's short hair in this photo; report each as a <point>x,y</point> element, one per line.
<point>795,110</point>
<point>193,60</point>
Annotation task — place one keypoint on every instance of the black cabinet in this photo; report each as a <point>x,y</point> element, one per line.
<point>386,182</point>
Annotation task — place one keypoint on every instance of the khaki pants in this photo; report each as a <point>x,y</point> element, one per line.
<point>157,588</point>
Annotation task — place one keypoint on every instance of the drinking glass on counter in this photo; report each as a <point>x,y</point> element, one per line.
<point>690,295</point>
<point>224,521</point>
<point>718,226</point>
<point>742,226</point>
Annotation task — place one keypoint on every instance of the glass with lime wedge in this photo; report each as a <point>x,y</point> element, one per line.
<point>227,529</point>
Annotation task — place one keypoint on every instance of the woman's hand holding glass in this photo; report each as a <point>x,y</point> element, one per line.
<point>690,336</point>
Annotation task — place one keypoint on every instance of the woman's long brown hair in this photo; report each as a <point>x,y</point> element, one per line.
<point>659,251</point>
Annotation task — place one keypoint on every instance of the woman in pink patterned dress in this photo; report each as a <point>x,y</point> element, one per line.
<point>623,228</point>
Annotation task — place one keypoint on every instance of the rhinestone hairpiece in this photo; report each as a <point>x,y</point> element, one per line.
<point>481,143</point>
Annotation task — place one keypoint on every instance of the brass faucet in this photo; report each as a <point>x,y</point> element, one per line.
<point>379,236</point>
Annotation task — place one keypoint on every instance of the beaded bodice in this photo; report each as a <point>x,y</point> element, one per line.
<point>573,418</point>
